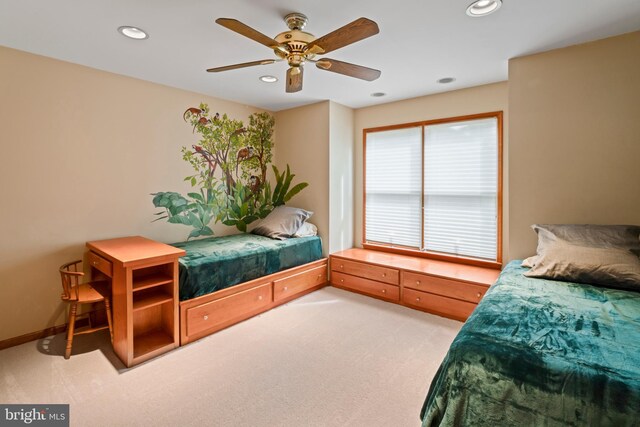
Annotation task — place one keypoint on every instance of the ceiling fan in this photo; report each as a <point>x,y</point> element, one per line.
<point>297,47</point>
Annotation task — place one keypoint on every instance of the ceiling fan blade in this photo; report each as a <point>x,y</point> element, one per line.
<point>247,31</point>
<point>243,65</point>
<point>357,30</point>
<point>352,70</point>
<point>294,79</point>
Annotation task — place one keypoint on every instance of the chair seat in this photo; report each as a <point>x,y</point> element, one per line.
<point>92,291</point>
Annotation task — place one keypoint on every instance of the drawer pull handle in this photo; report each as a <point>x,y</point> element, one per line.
<point>285,288</point>
<point>479,295</point>
<point>205,317</point>
<point>417,282</point>
<point>259,297</point>
<point>319,276</point>
<point>384,274</point>
<point>341,280</point>
<point>418,299</point>
<point>341,266</point>
<point>95,262</point>
<point>384,291</point>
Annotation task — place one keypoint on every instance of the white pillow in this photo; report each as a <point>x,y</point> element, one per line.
<point>530,262</point>
<point>307,229</point>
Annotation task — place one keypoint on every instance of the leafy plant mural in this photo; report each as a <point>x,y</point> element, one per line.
<point>230,174</point>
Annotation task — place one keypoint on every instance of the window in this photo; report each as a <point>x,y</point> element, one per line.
<point>434,187</point>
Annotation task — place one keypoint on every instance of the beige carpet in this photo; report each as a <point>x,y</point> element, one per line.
<point>331,358</point>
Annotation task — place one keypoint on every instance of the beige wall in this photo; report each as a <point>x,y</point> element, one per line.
<point>340,177</point>
<point>81,150</point>
<point>462,102</point>
<point>302,136</point>
<point>317,143</point>
<point>574,138</point>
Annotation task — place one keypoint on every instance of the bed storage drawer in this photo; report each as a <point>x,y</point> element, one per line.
<point>366,286</point>
<point>222,312</point>
<point>99,263</point>
<point>293,285</point>
<point>445,287</point>
<point>438,304</point>
<point>368,271</point>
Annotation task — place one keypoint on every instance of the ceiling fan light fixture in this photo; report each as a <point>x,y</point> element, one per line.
<point>483,7</point>
<point>133,32</point>
<point>268,79</point>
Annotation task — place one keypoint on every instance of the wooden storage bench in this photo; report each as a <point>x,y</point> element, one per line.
<point>444,288</point>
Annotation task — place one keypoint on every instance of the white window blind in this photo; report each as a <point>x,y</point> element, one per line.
<point>393,187</point>
<point>456,163</point>
<point>460,183</point>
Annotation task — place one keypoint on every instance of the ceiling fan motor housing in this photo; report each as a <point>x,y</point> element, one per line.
<point>296,42</point>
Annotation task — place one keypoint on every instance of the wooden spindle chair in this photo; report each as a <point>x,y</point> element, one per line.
<point>76,293</point>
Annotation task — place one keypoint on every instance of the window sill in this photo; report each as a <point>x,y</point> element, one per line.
<point>431,255</point>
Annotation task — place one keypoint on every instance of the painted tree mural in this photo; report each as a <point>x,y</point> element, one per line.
<point>230,166</point>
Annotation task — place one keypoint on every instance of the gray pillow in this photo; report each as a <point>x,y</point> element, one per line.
<point>605,255</point>
<point>602,236</point>
<point>282,222</point>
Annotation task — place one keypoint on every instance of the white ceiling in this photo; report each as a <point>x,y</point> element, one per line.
<point>420,41</point>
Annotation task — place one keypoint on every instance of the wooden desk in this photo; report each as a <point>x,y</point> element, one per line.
<point>144,287</point>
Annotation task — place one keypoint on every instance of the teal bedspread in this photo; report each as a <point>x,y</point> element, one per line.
<point>542,353</point>
<point>220,262</point>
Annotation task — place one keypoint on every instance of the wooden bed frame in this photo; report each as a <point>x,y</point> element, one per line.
<point>210,313</point>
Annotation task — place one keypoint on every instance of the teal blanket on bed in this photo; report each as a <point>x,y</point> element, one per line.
<point>542,353</point>
<point>220,262</point>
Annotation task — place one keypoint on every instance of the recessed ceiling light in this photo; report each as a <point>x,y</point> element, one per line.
<point>133,32</point>
<point>268,79</point>
<point>483,7</point>
<point>446,80</point>
<point>378,94</point>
